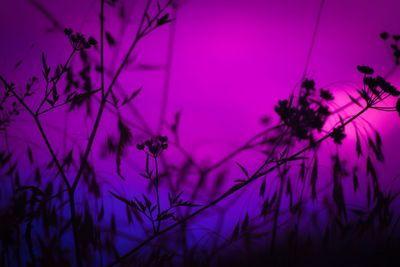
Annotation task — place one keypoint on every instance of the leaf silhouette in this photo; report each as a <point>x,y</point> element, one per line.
<point>110,39</point>
<point>125,138</point>
<point>235,233</point>
<point>30,155</point>
<point>45,68</point>
<point>355,101</point>
<point>356,184</point>
<point>131,97</point>
<point>163,20</point>
<point>377,149</point>
<point>374,176</point>
<point>246,173</point>
<point>358,145</point>
<point>245,223</point>
<point>262,188</point>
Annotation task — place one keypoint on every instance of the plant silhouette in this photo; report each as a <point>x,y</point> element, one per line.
<point>66,214</point>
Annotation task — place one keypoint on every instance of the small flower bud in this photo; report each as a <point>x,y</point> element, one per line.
<point>140,146</point>
<point>86,45</point>
<point>384,35</point>
<point>154,150</point>
<point>92,41</point>
<point>163,139</point>
<point>68,31</point>
<point>148,143</point>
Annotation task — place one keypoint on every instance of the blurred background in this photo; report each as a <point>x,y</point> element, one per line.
<point>221,64</point>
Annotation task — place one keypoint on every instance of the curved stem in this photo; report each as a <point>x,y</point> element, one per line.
<point>102,46</point>
<point>233,190</point>
<point>70,190</point>
<point>139,35</point>
<point>167,79</point>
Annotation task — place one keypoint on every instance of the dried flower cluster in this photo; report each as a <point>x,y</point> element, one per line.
<point>79,41</point>
<point>309,113</point>
<point>154,147</point>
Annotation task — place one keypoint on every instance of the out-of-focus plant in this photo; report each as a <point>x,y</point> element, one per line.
<point>22,212</point>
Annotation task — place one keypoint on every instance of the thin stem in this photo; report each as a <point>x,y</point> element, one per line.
<point>233,190</point>
<point>102,45</point>
<point>276,217</point>
<point>67,102</point>
<point>42,132</point>
<point>152,223</point>
<point>240,149</point>
<point>20,100</point>
<point>139,35</point>
<point>277,212</point>
<point>52,153</point>
<point>167,79</point>
<point>71,197</point>
<point>60,169</point>
<point>313,38</point>
<point>55,80</point>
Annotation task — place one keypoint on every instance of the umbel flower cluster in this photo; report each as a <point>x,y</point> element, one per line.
<point>312,111</point>
<point>79,41</point>
<point>154,147</point>
<point>309,113</point>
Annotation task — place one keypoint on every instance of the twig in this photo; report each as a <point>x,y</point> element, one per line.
<point>139,35</point>
<point>102,46</point>
<point>60,169</point>
<point>233,190</point>
<point>55,81</point>
<point>168,69</point>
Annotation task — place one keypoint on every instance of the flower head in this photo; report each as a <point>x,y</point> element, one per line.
<point>154,147</point>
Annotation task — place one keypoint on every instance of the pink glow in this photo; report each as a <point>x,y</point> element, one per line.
<point>232,60</point>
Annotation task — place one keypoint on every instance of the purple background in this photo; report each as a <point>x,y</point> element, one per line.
<point>232,61</point>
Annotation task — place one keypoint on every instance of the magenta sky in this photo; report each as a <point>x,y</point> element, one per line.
<point>232,61</point>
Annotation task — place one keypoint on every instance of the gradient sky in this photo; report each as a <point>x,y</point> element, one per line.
<point>232,61</point>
